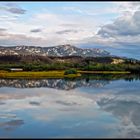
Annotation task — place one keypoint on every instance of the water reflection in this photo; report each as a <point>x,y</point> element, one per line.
<point>52,83</point>
<point>66,84</point>
<point>127,112</point>
<point>112,110</point>
<point>11,125</point>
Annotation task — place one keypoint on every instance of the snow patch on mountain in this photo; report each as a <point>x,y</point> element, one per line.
<point>60,50</point>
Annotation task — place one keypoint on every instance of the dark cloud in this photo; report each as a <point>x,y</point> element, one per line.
<point>11,125</point>
<point>2,29</point>
<point>16,10</point>
<point>13,4</point>
<point>66,31</point>
<point>34,103</point>
<point>2,103</point>
<point>36,30</point>
<point>65,103</point>
<point>122,26</point>
<point>13,8</point>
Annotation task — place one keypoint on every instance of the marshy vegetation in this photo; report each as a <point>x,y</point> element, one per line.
<point>43,66</point>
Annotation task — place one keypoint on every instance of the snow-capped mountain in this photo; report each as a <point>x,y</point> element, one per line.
<point>60,50</point>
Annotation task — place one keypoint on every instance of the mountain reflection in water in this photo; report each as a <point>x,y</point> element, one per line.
<point>52,83</point>
<point>112,110</point>
<point>63,84</point>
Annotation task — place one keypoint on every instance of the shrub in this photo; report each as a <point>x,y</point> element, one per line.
<point>70,71</point>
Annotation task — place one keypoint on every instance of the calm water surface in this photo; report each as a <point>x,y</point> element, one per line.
<point>56,108</point>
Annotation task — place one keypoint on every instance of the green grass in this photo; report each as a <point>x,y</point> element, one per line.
<point>104,72</point>
<point>53,74</point>
<point>48,74</point>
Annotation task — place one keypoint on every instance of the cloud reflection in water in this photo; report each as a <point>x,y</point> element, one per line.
<point>114,111</point>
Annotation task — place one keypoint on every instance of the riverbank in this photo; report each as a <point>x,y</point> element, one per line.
<point>53,74</point>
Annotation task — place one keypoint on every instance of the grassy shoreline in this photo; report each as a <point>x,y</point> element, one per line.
<point>53,74</point>
<point>104,72</point>
<point>48,74</point>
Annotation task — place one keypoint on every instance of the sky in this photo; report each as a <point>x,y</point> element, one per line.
<point>112,26</point>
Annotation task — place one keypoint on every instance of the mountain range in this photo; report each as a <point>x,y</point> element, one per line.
<point>58,54</point>
<point>60,50</point>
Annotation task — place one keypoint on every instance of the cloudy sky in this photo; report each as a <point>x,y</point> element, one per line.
<point>113,26</point>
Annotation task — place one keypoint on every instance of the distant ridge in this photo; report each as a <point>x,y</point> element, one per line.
<point>60,50</point>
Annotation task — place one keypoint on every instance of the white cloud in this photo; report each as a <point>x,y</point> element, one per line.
<point>122,33</point>
<point>123,30</point>
<point>124,25</point>
<point>50,24</point>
